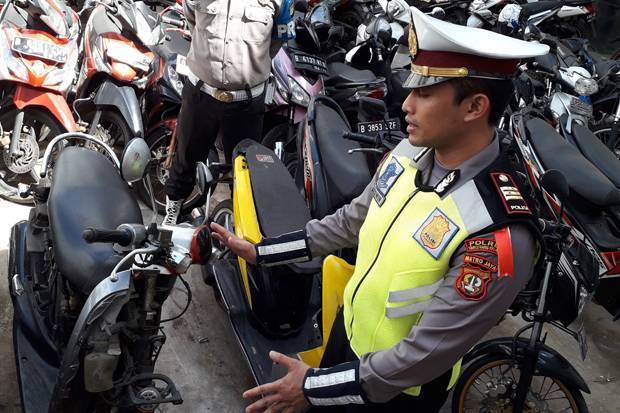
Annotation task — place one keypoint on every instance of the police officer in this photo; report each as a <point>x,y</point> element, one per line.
<point>446,238</point>
<point>229,61</point>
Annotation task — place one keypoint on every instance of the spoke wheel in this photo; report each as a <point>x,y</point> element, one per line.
<point>489,385</point>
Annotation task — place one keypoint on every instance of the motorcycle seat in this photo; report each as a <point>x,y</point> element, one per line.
<point>529,9</point>
<point>340,73</point>
<point>597,153</point>
<point>583,177</point>
<point>279,204</point>
<point>346,175</point>
<point>87,191</point>
<point>603,67</point>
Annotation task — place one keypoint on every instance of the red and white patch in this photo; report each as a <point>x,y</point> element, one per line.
<point>472,284</point>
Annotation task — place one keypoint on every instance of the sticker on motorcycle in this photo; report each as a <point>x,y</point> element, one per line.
<point>264,158</point>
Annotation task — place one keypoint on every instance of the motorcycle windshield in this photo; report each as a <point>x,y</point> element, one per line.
<point>147,28</point>
<point>52,16</point>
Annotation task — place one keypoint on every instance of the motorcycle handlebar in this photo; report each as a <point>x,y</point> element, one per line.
<point>123,237</point>
<point>358,137</point>
<point>550,227</point>
<point>173,22</point>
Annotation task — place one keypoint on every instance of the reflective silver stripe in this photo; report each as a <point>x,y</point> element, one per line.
<point>414,293</point>
<point>396,312</point>
<point>332,401</point>
<point>328,380</point>
<point>280,248</point>
<point>473,211</point>
<point>404,148</point>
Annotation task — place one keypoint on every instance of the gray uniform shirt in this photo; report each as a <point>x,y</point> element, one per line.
<point>450,325</point>
<point>231,41</point>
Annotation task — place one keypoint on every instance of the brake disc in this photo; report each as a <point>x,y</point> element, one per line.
<point>27,156</point>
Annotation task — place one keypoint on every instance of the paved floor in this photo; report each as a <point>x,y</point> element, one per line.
<point>202,355</point>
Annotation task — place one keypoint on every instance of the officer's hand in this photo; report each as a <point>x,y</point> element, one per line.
<point>240,247</point>
<point>284,395</point>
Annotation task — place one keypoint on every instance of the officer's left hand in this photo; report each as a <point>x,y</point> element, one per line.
<point>284,395</point>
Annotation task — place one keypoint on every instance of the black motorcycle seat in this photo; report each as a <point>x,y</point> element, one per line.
<point>340,73</point>
<point>603,67</point>
<point>87,191</point>
<point>530,9</point>
<point>279,204</point>
<point>346,174</point>
<point>597,153</point>
<point>582,176</point>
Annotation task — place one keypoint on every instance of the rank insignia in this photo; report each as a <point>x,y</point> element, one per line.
<point>481,245</point>
<point>435,233</point>
<point>509,193</point>
<point>387,179</point>
<point>472,283</point>
<point>477,260</point>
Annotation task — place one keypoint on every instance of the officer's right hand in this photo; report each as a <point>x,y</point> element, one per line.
<point>240,247</point>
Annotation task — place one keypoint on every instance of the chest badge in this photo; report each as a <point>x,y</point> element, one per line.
<point>387,179</point>
<point>435,233</point>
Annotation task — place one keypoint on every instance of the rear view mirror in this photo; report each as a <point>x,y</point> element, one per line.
<point>371,108</point>
<point>438,13</point>
<point>136,158</point>
<point>301,6</point>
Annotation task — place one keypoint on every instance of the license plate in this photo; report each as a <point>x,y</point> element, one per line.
<point>580,107</point>
<point>309,63</point>
<point>182,67</point>
<point>372,128</point>
<point>38,48</point>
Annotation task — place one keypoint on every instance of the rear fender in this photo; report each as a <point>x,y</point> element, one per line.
<point>123,99</point>
<point>55,103</point>
<point>549,363</point>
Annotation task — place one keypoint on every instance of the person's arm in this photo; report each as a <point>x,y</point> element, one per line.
<point>458,316</point>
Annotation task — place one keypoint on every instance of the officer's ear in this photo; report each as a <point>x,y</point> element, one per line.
<point>476,106</point>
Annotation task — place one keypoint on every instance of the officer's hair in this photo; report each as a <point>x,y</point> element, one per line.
<point>499,93</point>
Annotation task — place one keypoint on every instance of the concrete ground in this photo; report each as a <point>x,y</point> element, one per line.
<point>203,358</point>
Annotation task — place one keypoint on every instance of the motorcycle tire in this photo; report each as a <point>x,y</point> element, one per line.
<point>159,141</point>
<point>279,134</point>
<point>46,127</point>
<point>480,372</point>
<point>112,129</point>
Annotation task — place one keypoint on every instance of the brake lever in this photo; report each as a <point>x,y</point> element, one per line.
<point>375,150</point>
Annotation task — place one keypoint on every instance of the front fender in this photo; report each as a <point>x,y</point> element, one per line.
<point>125,100</point>
<point>55,103</point>
<point>549,363</point>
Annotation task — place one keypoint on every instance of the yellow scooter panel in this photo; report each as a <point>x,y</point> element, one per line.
<point>336,275</point>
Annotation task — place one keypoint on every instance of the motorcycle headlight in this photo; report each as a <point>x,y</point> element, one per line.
<point>586,87</point>
<point>298,95</point>
<point>129,56</point>
<point>17,68</point>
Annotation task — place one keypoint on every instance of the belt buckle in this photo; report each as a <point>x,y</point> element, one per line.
<point>223,96</point>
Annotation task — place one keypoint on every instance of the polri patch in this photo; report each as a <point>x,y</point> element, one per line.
<point>387,179</point>
<point>472,283</point>
<point>481,245</point>
<point>473,259</point>
<point>435,233</point>
<point>510,194</point>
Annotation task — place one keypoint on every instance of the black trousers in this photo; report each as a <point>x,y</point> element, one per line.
<point>200,119</point>
<point>430,400</point>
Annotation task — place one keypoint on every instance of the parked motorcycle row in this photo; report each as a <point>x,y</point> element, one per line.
<point>88,108</point>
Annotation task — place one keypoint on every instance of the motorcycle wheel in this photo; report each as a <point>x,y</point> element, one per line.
<point>279,134</point>
<point>112,129</point>
<point>25,169</point>
<point>158,142</point>
<point>485,383</point>
<point>223,215</point>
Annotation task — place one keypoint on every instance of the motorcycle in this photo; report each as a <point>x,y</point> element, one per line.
<point>88,281</point>
<point>519,374</point>
<point>40,49</point>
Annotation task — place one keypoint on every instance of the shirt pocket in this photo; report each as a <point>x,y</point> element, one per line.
<point>206,15</point>
<point>257,24</point>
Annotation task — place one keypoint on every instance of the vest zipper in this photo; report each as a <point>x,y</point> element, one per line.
<point>376,257</point>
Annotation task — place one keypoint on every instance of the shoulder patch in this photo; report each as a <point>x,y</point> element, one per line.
<point>477,260</point>
<point>435,233</point>
<point>509,193</point>
<point>481,245</point>
<point>393,170</point>
<point>472,283</point>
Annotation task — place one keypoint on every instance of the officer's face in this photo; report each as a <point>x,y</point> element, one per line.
<point>433,117</point>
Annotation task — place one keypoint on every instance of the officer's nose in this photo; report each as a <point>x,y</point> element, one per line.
<point>409,103</point>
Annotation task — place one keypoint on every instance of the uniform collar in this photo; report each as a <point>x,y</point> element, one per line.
<point>424,162</point>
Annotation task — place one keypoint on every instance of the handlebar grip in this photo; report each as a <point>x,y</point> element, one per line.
<point>122,237</point>
<point>358,137</point>
<point>173,22</point>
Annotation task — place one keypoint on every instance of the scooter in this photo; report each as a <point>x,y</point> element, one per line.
<point>289,308</point>
<point>39,47</point>
<point>88,281</point>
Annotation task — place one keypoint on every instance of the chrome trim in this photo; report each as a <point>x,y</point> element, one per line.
<point>18,288</point>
